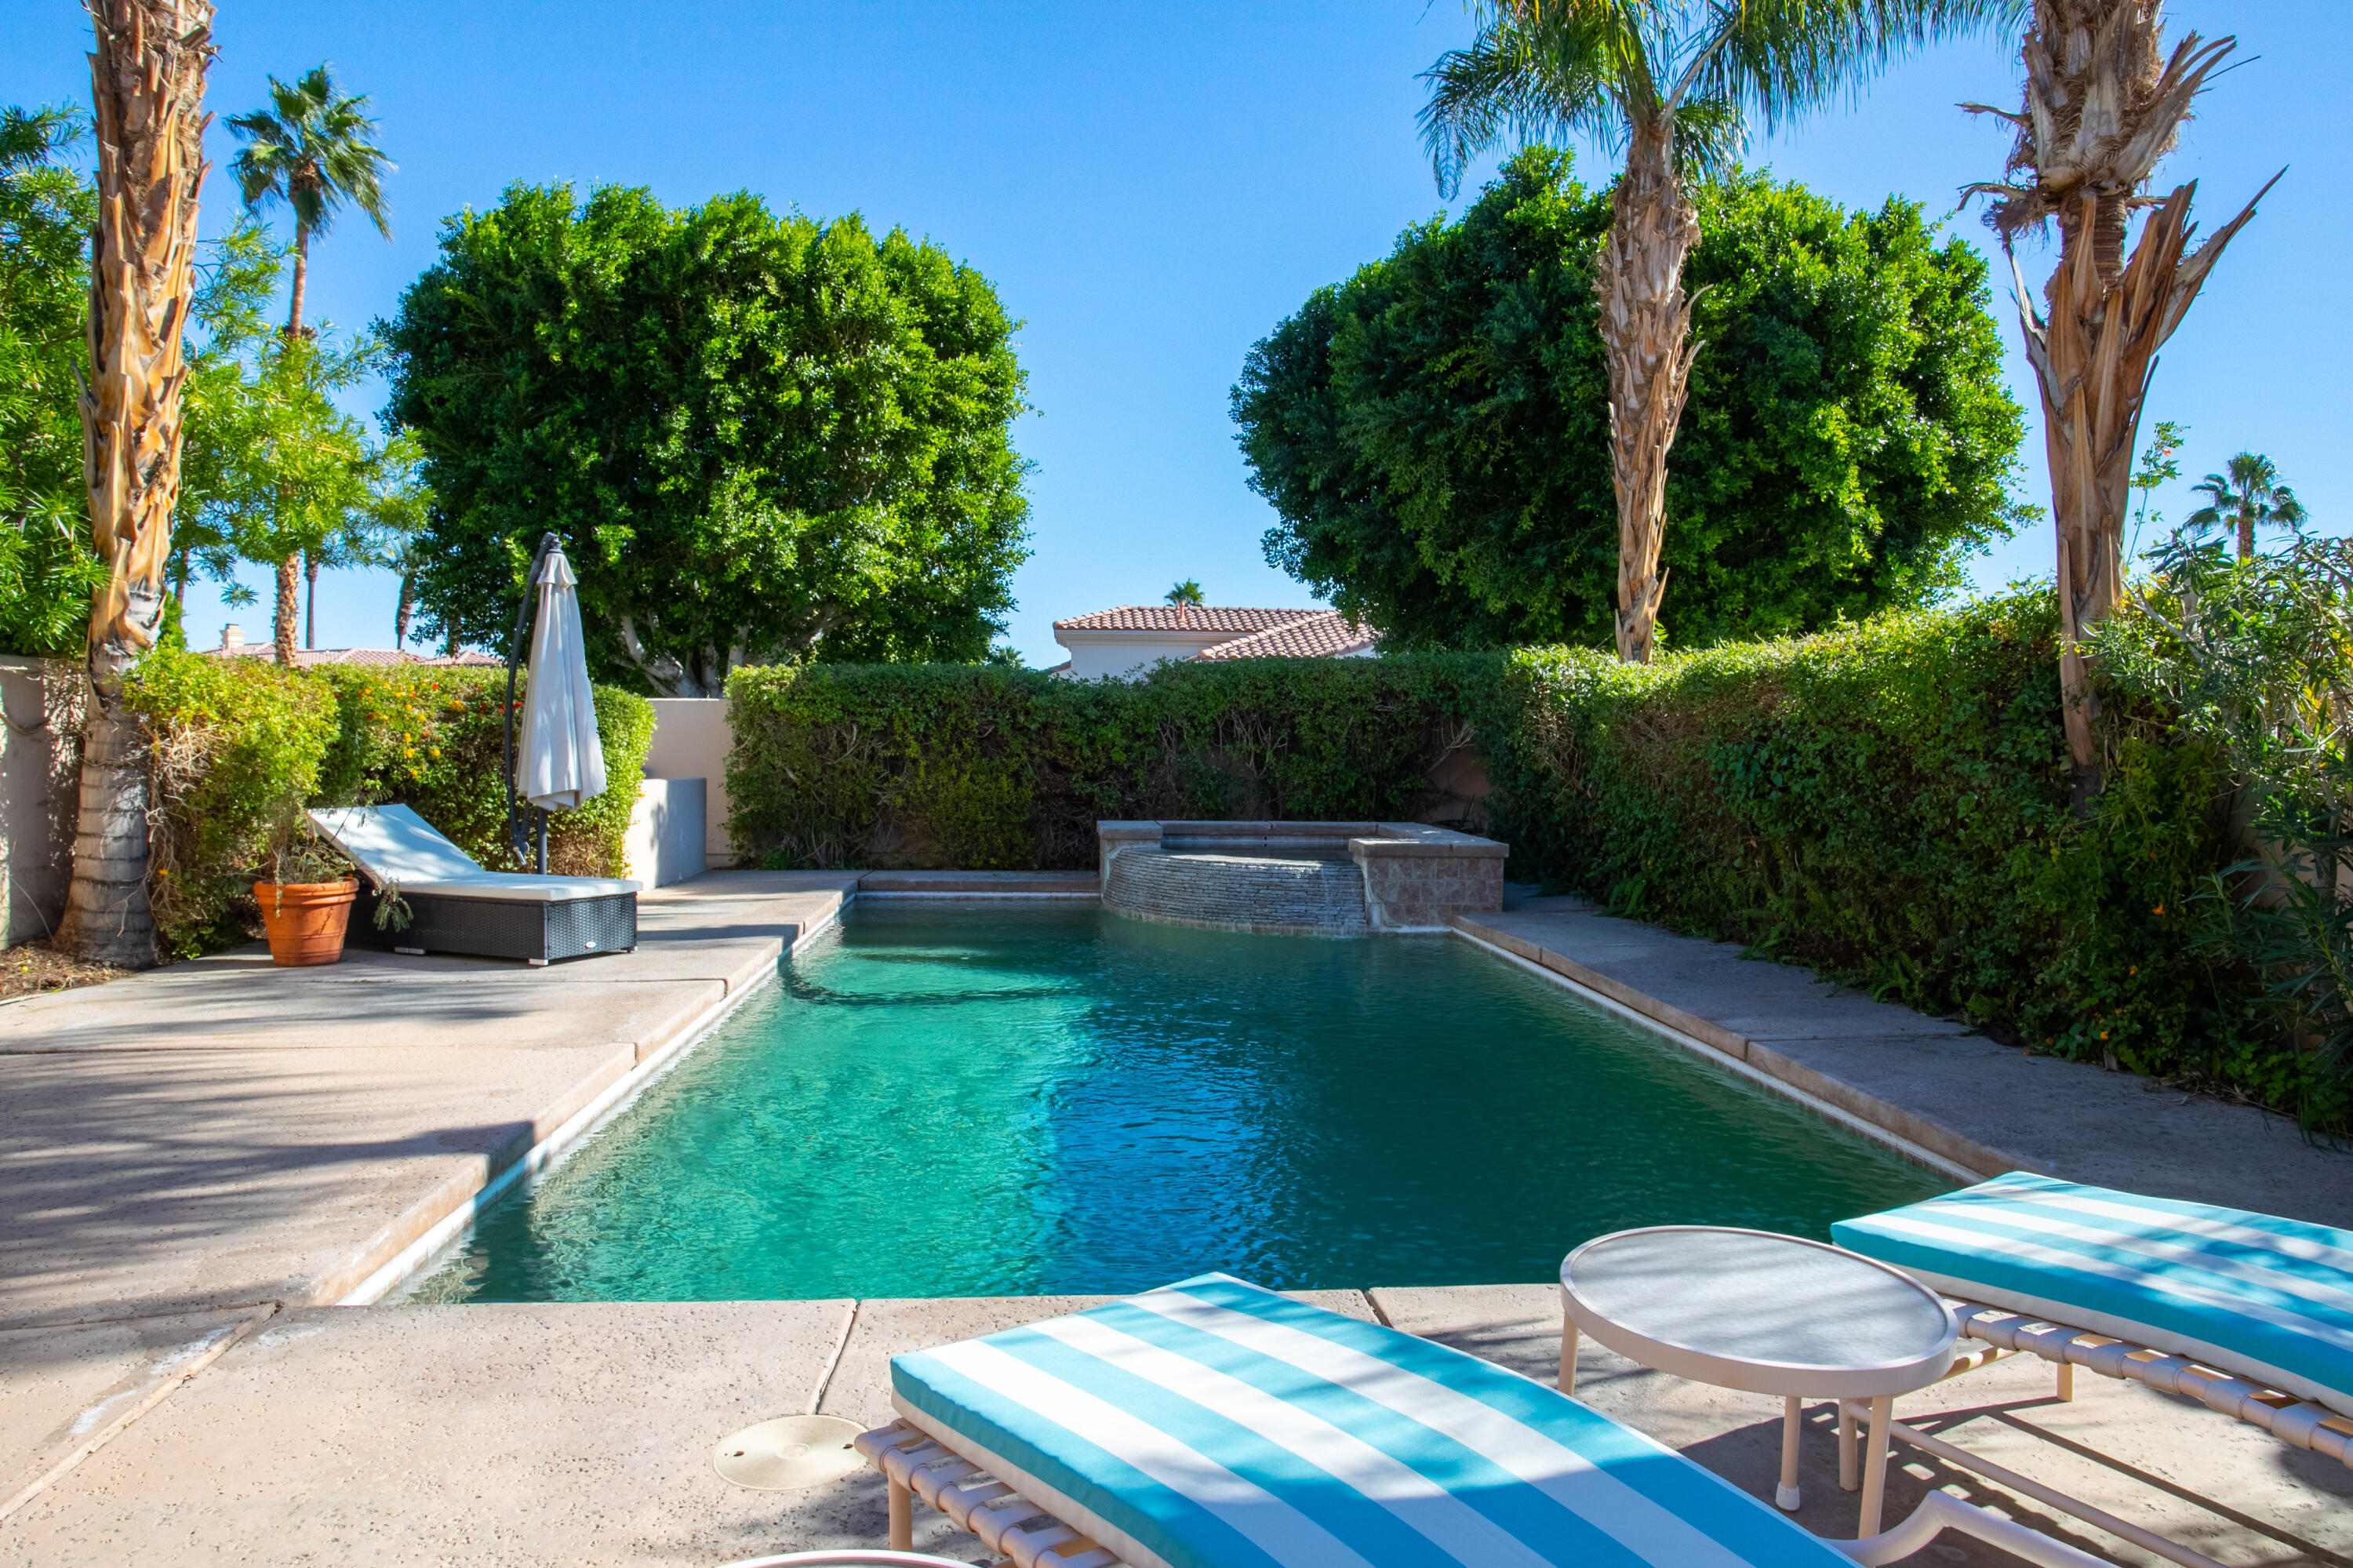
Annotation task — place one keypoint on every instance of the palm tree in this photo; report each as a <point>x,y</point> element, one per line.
<point>147,82</point>
<point>1673,82</point>
<point>2103,104</point>
<point>2248,491</point>
<point>310,149</point>
<point>1187,592</point>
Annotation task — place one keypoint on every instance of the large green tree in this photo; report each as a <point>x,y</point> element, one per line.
<point>1672,81</point>
<point>760,437</point>
<point>47,209</point>
<point>1434,433</point>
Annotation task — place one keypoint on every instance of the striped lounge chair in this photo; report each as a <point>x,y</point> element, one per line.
<point>2249,1313</point>
<point>1214,1425</point>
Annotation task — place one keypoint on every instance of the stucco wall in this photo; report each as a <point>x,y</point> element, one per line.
<point>40,754</point>
<point>1094,654</point>
<point>691,740</point>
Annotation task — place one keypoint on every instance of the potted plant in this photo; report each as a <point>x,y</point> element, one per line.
<point>305,889</point>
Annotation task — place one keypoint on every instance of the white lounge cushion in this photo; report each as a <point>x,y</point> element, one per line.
<point>396,847</point>
<point>522,887</point>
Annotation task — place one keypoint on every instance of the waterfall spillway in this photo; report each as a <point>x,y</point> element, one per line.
<point>1304,893</point>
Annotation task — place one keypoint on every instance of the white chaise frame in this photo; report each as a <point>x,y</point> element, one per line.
<point>2299,1423</point>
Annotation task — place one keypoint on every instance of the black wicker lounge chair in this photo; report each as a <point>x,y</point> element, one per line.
<point>457,906</point>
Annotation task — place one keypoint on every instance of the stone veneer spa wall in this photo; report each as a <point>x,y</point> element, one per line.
<point>1301,878</point>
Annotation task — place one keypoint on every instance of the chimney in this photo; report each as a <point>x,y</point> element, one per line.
<point>232,638</point>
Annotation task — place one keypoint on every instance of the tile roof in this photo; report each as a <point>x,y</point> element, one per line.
<point>1185,618</point>
<point>1326,635</point>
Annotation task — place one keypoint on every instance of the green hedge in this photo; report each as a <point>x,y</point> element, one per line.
<point>1887,802</point>
<point>1890,804</point>
<point>980,767</point>
<point>232,737</point>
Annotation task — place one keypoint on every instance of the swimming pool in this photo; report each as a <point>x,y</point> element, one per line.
<point>984,1101</point>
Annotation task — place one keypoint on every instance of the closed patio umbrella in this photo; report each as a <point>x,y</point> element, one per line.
<point>559,761</point>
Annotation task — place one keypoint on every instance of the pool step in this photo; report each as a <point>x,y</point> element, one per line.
<point>1308,896</point>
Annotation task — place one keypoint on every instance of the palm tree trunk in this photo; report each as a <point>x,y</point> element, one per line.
<point>1646,330</point>
<point>147,81</point>
<point>309,599</point>
<point>407,607</point>
<point>301,281</point>
<point>2091,358</point>
<point>283,627</point>
<point>2247,530</point>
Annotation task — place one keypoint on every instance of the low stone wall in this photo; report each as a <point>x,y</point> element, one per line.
<point>1325,878</point>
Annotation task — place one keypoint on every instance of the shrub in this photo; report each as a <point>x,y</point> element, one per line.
<point>1889,803</point>
<point>231,741</point>
<point>234,737</point>
<point>432,740</point>
<point>985,768</point>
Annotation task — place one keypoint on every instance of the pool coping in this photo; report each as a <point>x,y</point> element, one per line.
<point>439,1232</point>
<point>1920,1139</point>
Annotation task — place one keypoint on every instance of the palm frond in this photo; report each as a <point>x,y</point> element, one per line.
<point>1711,134</point>
<point>1577,66</point>
<point>312,150</point>
<point>1783,58</point>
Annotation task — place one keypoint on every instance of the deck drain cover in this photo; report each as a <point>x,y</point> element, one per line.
<point>788,1453</point>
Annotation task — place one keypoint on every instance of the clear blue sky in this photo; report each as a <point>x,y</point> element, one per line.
<point>1153,187</point>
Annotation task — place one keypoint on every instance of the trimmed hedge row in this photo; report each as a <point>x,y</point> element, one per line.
<point>233,738</point>
<point>1887,802</point>
<point>1890,804</point>
<point>987,769</point>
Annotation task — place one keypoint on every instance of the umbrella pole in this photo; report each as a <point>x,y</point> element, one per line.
<point>518,826</point>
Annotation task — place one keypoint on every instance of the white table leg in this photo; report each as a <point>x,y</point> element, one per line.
<point>1792,1418</point>
<point>1875,1468</point>
<point>1568,1354</point>
<point>1848,1478</point>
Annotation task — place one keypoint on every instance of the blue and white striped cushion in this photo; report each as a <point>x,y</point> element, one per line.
<point>2252,1294</point>
<point>1214,1424</point>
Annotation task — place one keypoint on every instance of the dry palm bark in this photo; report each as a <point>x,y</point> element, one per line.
<point>1645,324</point>
<point>147,78</point>
<point>2103,104</point>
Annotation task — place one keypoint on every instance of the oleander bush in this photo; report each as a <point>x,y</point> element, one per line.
<point>233,738</point>
<point>1888,803</point>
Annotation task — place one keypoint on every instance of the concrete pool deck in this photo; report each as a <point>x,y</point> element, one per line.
<point>194,1164</point>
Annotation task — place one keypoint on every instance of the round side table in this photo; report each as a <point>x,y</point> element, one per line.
<point>1765,1314</point>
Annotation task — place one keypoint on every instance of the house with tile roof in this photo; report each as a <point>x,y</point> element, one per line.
<point>233,645</point>
<point>1132,638</point>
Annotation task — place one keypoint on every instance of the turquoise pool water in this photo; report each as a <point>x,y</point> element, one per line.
<point>980,1101</point>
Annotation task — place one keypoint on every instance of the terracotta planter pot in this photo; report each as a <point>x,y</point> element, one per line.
<point>306,920</point>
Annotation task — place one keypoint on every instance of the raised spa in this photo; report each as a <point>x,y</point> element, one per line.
<point>1306,879</point>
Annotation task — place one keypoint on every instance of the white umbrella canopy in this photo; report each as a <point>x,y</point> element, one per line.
<point>559,761</point>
